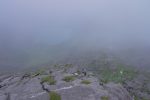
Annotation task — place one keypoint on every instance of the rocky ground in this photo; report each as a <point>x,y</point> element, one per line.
<point>139,87</point>
<point>68,85</point>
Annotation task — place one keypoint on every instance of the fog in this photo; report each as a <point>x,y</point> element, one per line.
<point>34,32</point>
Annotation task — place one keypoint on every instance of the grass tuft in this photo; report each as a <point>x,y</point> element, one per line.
<point>68,78</point>
<point>104,98</point>
<point>49,79</point>
<point>54,96</point>
<point>85,82</point>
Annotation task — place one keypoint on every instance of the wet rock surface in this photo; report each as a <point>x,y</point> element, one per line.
<point>27,87</point>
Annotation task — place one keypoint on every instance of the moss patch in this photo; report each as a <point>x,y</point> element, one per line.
<point>49,79</point>
<point>104,98</point>
<point>86,82</point>
<point>54,96</point>
<point>68,78</point>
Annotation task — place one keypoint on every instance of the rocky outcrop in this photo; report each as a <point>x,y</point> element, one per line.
<point>26,89</point>
<point>19,87</point>
<point>139,87</point>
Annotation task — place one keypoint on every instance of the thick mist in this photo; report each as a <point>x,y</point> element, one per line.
<point>34,32</point>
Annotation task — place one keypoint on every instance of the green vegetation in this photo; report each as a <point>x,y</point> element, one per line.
<point>49,79</point>
<point>85,82</point>
<point>117,75</point>
<point>54,96</point>
<point>136,98</point>
<point>68,78</point>
<point>104,98</point>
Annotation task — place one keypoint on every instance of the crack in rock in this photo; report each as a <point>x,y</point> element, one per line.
<point>43,87</point>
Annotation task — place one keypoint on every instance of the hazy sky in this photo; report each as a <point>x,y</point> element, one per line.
<point>53,21</point>
<point>28,24</point>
